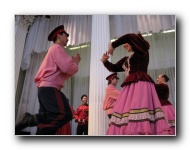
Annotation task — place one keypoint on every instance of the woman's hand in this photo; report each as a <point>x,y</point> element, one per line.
<point>110,49</point>
<point>105,57</point>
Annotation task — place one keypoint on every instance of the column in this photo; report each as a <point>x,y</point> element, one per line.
<point>98,120</point>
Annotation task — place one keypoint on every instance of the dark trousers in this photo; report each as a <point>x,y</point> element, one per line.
<point>54,110</point>
<point>82,130</point>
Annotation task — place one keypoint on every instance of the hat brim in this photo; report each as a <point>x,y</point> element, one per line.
<point>66,34</point>
<point>58,30</point>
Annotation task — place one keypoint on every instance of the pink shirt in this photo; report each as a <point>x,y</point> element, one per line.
<point>110,98</point>
<point>56,67</point>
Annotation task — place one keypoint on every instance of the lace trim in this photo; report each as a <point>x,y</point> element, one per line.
<point>127,69</point>
<point>139,115</point>
<point>171,123</point>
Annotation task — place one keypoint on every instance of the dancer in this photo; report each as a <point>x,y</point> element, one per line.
<point>81,117</point>
<point>137,110</point>
<point>111,94</point>
<point>56,67</point>
<point>162,90</point>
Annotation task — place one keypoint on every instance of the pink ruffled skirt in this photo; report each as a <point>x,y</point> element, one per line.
<point>169,112</point>
<point>138,111</point>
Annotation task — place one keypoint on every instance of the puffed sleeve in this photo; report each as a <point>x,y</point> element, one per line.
<point>115,67</point>
<point>110,97</point>
<point>138,43</point>
<point>64,61</point>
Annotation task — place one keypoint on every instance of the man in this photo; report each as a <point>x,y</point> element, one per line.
<point>56,67</point>
<point>111,94</point>
<point>81,116</point>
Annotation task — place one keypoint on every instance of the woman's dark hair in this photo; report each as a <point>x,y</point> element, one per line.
<point>165,77</point>
<point>83,96</point>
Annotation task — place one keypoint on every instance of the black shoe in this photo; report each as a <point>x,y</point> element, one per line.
<point>26,121</point>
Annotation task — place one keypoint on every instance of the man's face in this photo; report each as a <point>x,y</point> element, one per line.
<point>159,79</point>
<point>64,39</point>
<point>114,81</point>
<point>84,100</point>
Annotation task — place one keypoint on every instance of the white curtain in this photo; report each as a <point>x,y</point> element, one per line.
<point>122,24</point>
<point>21,29</point>
<point>162,53</point>
<point>20,33</point>
<point>29,100</point>
<point>78,26</point>
<point>78,85</point>
<point>155,23</point>
<point>162,59</point>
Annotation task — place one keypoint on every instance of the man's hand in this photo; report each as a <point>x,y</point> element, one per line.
<point>76,59</point>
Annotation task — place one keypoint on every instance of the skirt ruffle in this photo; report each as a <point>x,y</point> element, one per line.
<point>170,116</point>
<point>138,111</point>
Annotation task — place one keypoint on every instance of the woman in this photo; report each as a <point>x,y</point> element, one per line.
<point>137,110</point>
<point>162,90</point>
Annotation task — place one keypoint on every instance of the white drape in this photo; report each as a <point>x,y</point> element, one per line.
<point>20,34</point>
<point>155,23</point>
<point>78,26</point>
<point>122,24</point>
<point>29,100</point>
<point>79,83</point>
<point>162,53</point>
<point>21,29</point>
